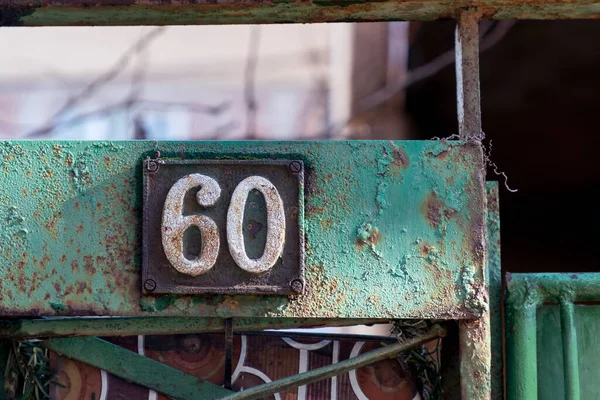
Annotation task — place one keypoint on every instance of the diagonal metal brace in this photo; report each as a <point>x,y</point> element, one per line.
<point>136,368</point>
<point>259,392</point>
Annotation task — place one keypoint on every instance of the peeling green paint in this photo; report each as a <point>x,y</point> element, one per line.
<point>80,206</point>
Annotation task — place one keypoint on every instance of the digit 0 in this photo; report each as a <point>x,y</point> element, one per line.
<point>275,225</point>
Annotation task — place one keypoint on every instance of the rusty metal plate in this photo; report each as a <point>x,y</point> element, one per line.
<point>391,230</point>
<point>223,226</point>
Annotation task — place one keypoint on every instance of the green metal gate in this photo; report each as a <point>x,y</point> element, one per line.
<point>387,231</point>
<point>542,319</point>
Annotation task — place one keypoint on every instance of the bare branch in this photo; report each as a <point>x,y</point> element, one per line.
<point>490,37</point>
<point>101,80</point>
<point>128,104</point>
<point>250,82</point>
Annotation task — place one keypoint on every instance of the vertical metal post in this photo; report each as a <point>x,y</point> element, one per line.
<point>475,358</point>
<point>494,273</point>
<point>467,75</point>
<point>569,342</point>
<point>521,343</point>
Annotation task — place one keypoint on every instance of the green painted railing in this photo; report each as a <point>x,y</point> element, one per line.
<point>550,339</point>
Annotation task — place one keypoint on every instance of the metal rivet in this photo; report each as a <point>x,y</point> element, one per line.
<point>149,285</point>
<point>152,166</point>
<point>295,167</point>
<point>297,286</point>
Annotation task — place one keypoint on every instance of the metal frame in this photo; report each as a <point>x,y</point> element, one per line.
<point>474,337</point>
<point>219,12</point>
<point>526,293</point>
<point>479,338</point>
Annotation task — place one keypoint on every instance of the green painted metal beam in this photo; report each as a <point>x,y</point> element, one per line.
<point>550,287</point>
<point>494,271</point>
<point>127,326</point>
<point>317,374</point>
<point>392,230</point>
<point>220,12</point>
<point>137,369</point>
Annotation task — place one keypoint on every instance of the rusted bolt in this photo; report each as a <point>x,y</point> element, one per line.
<point>295,167</point>
<point>297,286</point>
<point>149,285</point>
<point>152,166</point>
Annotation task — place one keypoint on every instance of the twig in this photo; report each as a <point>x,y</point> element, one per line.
<point>491,35</point>
<point>128,104</point>
<point>106,77</point>
<point>250,82</point>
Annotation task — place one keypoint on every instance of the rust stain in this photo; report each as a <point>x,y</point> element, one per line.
<point>400,158</point>
<point>426,248</point>
<point>367,235</point>
<point>436,212</point>
<point>442,155</point>
<point>433,210</point>
<point>89,265</point>
<point>326,223</point>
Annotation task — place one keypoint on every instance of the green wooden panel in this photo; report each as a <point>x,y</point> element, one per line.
<point>550,359</point>
<point>392,230</point>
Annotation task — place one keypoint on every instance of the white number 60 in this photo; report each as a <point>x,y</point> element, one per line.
<point>174,225</point>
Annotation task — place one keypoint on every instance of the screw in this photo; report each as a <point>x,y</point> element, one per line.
<point>297,286</point>
<point>152,166</point>
<point>295,167</point>
<point>150,285</point>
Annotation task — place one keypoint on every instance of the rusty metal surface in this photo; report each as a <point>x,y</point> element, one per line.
<point>468,104</point>
<point>219,12</point>
<point>392,230</point>
<point>213,196</point>
<point>494,272</point>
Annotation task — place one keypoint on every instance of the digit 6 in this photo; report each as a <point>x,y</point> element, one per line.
<point>174,225</point>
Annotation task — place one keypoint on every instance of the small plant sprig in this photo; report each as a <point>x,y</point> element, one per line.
<point>420,362</point>
<point>426,365</point>
<point>28,375</point>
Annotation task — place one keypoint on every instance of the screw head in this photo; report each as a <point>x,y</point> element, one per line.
<point>297,286</point>
<point>152,166</point>
<point>295,167</point>
<point>150,285</point>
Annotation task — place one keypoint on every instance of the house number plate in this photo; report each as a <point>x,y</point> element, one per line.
<point>223,226</point>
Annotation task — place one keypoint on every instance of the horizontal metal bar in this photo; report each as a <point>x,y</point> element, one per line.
<point>548,288</point>
<point>219,12</point>
<point>137,369</point>
<point>93,326</point>
<point>328,371</point>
